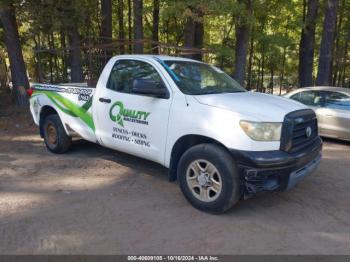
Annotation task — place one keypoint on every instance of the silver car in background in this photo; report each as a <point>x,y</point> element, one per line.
<point>332,107</point>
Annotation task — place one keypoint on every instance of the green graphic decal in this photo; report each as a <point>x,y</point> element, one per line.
<point>124,114</point>
<point>117,118</point>
<point>70,108</point>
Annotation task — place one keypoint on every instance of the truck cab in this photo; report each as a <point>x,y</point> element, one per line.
<point>221,142</point>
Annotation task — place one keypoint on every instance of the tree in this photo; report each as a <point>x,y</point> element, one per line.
<point>75,55</point>
<point>189,31</point>
<point>3,71</point>
<point>307,45</point>
<point>155,27</point>
<point>138,27</point>
<point>13,46</point>
<point>106,25</point>
<point>194,29</point>
<point>199,32</point>
<point>325,58</point>
<point>338,53</point>
<point>279,37</point>
<point>121,34</point>
<point>129,26</point>
<point>250,61</point>
<point>243,29</point>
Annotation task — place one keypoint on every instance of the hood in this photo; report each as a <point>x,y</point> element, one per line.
<point>262,107</point>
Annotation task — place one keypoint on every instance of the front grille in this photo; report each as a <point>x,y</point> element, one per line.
<point>296,129</point>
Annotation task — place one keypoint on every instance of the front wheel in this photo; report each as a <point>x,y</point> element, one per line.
<point>55,137</point>
<point>208,178</point>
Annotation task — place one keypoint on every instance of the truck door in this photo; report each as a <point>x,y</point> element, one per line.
<point>132,122</point>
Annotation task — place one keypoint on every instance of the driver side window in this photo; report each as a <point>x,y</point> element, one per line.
<point>124,72</point>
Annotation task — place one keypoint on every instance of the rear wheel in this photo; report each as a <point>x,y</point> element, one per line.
<point>208,178</point>
<point>55,137</point>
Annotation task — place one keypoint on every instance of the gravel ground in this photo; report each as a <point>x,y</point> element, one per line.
<point>97,201</point>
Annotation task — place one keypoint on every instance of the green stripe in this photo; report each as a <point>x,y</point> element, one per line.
<point>70,108</point>
<point>88,104</point>
<point>68,112</point>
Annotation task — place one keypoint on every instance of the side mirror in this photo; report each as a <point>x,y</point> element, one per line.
<point>149,87</point>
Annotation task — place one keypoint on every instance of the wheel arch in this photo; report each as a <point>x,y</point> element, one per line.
<point>45,112</point>
<point>182,145</point>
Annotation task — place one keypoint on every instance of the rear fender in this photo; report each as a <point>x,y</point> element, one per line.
<point>46,111</point>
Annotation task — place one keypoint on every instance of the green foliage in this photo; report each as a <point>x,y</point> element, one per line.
<point>275,33</point>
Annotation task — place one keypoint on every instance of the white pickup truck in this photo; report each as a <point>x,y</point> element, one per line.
<point>221,142</point>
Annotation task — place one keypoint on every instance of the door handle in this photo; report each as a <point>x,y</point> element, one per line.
<point>104,100</point>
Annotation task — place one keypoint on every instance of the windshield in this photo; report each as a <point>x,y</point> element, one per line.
<point>199,79</point>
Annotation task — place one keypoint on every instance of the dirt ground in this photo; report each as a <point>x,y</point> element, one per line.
<point>98,201</point>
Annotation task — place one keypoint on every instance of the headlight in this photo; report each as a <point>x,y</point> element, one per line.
<point>261,131</point>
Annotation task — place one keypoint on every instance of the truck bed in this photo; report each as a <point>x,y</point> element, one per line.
<point>83,91</point>
<point>72,102</point>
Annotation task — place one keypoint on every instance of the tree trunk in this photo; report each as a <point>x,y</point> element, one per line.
<point>194,31</point>
<point>64,56</point>
<point>198,33</point>
<point>337,54</point>
<point>57,68</point>
<point>307,45</point>
<point>262,88</point>
<point>283,68</point>
<point>106,25</point>
<point>155,27</point>
<point>166,29</point>
<point>189,31</point>
<point>341,81</point>
<point>129,26</point>
<point>121,34</point>
<point>284,57</point>
<point>13,46</point>
<point>3,73</point>
<point>242,42</point>
<point>325,58</point>
<point>271,84</point>
<point>250,63</point>
<point>138,27</point>
<point>75,56</point>
<point>50,59</point>
<point>39,74</point>
<point>258,79</point>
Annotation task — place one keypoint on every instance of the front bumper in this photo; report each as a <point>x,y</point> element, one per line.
<point>275,170</point>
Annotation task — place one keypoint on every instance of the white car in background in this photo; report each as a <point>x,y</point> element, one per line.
<point>332,107</point>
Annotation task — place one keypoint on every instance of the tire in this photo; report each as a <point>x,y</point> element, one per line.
<point>55,137</point>
<point>208,195</point>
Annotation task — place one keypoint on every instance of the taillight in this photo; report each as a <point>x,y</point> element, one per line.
<point>30,91</point>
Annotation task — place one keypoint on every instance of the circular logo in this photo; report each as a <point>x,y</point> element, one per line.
<point>308,131</point>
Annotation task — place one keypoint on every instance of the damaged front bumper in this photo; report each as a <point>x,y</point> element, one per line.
<point>275,170</point>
